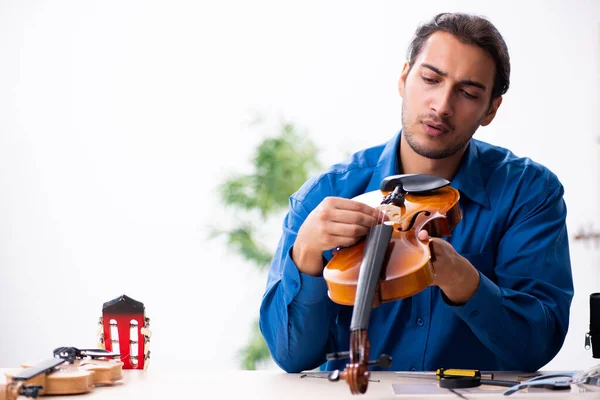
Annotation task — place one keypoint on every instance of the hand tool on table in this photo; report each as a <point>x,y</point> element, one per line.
<point>459,378</point>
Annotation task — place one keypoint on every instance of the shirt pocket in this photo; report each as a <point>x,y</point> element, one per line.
<point>484,262</point>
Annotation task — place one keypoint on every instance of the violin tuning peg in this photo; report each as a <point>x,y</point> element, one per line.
<point>334,375</point>
<point>385,361</point>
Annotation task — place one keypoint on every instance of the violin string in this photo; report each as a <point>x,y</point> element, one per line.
<point>362,339</point>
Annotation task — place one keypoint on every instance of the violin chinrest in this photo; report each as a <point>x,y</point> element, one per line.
<point>413,183</point>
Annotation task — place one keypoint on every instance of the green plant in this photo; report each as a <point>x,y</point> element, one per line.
<point>280,165</point>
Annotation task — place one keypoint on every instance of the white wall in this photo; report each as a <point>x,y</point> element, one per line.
<point>119,118</point>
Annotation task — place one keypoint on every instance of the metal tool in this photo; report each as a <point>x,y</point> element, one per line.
<point>559,380</point>
<point>442,372</point>
<point>460,378</point>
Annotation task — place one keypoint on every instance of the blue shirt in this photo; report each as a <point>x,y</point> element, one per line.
<point>513,231</point>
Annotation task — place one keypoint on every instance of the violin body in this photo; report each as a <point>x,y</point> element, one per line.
<point>70,371</point>
<point>408,267</point>
<point>63,380</point>
<point>104,372</point>
<point>390,263</point>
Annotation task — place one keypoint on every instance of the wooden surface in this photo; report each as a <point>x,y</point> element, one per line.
<point>173,383</point>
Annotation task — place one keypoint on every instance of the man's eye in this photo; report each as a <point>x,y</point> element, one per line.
<point>469,95</point>
<point>428,80</point>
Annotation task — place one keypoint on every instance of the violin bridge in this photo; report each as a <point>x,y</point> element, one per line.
<point>392,212</point>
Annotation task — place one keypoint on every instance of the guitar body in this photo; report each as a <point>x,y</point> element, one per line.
<point>67,379</point>
<point>104,372</point>
<point>125,330</point>
<point>69,371</point>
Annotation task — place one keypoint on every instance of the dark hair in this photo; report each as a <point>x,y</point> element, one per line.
<point>469,29</point>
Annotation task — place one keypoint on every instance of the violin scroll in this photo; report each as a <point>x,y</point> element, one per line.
<point>357,372</point>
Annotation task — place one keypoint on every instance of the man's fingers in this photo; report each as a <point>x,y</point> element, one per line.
<point>351,217</point>
<point>343,241</point>
<point>346,230</point>
<point>423,235</point>
<point>351,205</point>
<point>432,252</point>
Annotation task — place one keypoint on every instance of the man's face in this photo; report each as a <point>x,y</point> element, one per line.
<point>446,96</point>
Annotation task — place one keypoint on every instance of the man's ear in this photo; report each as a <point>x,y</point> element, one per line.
<point>402,80</point>
<point>489,116</point>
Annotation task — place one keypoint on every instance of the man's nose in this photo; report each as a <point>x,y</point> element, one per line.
<point>441,104</point>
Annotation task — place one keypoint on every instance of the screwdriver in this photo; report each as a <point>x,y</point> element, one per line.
<point>443,372</point>
<point>457,378</point>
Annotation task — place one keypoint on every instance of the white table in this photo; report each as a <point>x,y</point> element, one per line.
<point>173,383</point>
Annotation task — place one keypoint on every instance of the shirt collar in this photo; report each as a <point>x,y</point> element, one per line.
<point>468,180</point>
<point>387,164</point>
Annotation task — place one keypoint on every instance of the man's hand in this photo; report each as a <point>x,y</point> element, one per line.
<point>454,274</point>
<point>336,222</point>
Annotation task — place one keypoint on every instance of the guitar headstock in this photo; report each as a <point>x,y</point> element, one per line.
<point>125,329</point>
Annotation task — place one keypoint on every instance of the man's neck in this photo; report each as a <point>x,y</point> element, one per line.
<point>413,163</point>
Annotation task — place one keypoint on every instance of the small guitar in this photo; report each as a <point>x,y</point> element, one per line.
<point>50,377</point>
<point>125,329</point>
<point>107,370</point>
<point>71,371</point>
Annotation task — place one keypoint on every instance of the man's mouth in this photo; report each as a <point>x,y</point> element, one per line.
<point>433,128</point>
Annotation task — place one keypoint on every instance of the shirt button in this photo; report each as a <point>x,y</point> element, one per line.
<point>420,321</point>
<point>474,313</point>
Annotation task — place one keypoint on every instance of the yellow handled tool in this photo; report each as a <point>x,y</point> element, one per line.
<point>447,373</point>
<point>471,373</point>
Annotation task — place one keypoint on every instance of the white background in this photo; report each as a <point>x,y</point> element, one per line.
<point>118,119</point>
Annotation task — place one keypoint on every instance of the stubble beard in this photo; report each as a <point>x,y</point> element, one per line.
<point>434,154</point>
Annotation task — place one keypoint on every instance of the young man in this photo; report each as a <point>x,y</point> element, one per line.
<point>503,287</point>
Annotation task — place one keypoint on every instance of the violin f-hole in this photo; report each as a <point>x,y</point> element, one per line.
<point>413,220</point>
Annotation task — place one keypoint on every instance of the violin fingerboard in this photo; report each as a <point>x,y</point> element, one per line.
<point>42,367</point>
<point>375,252</point>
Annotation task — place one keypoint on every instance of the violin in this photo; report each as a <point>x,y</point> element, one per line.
<point>70,371</point>
<point>105,365</point>
<point>391,262</point>
<point>45,378</point>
